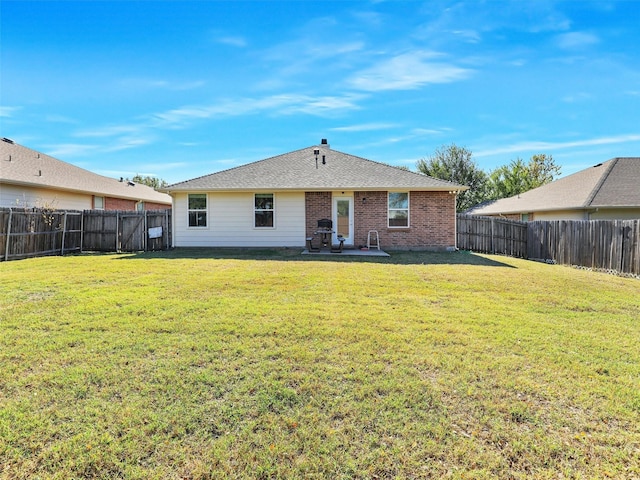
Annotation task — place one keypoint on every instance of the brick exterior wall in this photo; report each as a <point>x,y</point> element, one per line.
<point>119,204</point>
<point>156,206</point>
<point>432,219</point>
<point>111,203</point>
<point>317,207</point>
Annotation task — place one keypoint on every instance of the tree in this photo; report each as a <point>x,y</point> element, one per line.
<point>150,181</point>
<point>543,169</point>
<point>455,164</point>
<point>518,177</point>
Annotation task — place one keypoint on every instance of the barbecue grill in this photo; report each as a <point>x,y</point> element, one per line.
<point>324,224</point>
<point>325,228</point>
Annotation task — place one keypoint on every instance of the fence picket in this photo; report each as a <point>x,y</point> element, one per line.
<point>611,245</point>
<point>33,232</point>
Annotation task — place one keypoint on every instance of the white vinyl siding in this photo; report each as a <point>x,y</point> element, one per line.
<point>231,222</point>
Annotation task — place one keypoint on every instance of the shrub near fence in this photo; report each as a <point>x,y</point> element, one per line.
<point>612,245</point>
<point>36,232</point>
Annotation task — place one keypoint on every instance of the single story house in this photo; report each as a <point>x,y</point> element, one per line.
<point>32,179</point>
<point>606,191</point>
<point>278,202</point>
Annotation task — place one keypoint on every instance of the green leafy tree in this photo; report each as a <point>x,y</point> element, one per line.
<point>543,169</point>
<point>150,181</point>
<point>519,177</point>
<point>456,164</point>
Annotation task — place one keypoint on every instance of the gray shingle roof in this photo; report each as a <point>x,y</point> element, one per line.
<point>22,166</point>
<point>297,171</point>
<point>614,183</point>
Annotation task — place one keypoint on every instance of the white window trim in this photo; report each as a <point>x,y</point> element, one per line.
<point>408,209</point>
<point>273,209</point>
<point>205,210</point>
<point>94,202</point>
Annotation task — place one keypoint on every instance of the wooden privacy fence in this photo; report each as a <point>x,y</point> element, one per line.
<point>612,245</point>
<point>26,233</point>
<point>37,232</point>
<point>118,231</point>
<point>492,235</point>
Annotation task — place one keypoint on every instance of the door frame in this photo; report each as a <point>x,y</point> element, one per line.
<point>334,216</point>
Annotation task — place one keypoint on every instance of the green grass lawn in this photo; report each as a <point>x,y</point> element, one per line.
<point>266,364</point>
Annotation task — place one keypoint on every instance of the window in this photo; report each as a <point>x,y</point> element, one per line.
<point>263,210</point>
<point>398,209</point>
<point>197,209</point>
<point>98,203</point>
<point>140,207</point>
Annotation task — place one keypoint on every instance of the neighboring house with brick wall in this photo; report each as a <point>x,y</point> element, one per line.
<point>607,191</point>
<point>32,179</point>
<point>278,201</point>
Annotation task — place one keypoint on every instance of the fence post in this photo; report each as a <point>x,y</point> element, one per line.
<point>6,247</point>
<point>117,230</point>
<point>166,218</point>
<point>491,244</point>
<point>64,232</point>
<point>82,231</point>
<point>145,235</point>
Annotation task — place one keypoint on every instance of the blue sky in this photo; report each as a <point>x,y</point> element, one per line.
<point>183,89</point>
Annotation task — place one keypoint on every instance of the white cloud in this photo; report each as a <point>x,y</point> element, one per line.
<point>284,104</point>
<point>109,131</point>
<point>577,97</point>
<point>550,146</point>
<point>469,36</point>
<point>63,150</point>
<point>8,112</point>
<point>150,83</point>
<point>575,40</point>
<point>321,106</point>
<point>233,41</point>
<point>364,127</point>
<point>53,118</point>
<point>407,71</point>
<point>127,143</point>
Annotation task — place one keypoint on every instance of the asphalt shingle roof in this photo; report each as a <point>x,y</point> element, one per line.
<point>614,183</point>
<point>20,165</point>
<point>297,170</point>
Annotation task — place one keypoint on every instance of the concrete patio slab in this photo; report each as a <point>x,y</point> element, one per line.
<point>356,252</point>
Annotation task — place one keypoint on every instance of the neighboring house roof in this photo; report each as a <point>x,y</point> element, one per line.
<point>22,166</point>
<point>298,170</point>
<point>614,183</point>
